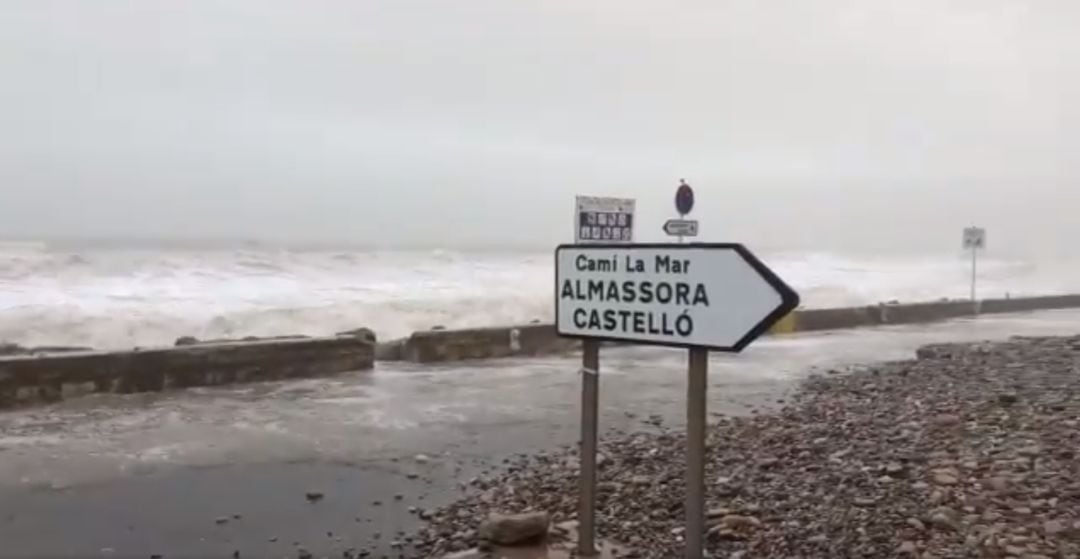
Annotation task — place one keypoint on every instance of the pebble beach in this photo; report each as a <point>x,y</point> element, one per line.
<point>969,450</point>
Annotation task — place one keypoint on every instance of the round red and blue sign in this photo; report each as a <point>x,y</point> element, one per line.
<point>684,198</point>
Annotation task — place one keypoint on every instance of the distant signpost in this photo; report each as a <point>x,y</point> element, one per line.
<point>603,220</point>
<point>974,240</point>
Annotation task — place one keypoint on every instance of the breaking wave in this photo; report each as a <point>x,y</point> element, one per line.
<point>112,297</point>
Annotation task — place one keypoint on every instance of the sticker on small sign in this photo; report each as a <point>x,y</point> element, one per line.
<point>603,220</point>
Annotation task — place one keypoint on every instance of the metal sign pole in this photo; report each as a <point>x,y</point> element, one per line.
<point>590,396</point>
<point>974,256</point>
<point>696,388</point>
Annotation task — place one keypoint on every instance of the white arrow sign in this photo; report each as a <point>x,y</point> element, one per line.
<point>681,227</point>
<point>714,296</point>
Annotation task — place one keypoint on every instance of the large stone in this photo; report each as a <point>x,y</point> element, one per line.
<point>514,529</point>
<point>1053,527</point>
<point>945,477</point>
<point>1007,398</point>
<point>739,522</point>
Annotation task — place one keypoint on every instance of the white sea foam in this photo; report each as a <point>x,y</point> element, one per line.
<point>113,298</point>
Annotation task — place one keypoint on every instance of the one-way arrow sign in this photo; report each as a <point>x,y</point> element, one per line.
<point>709,296</point>
<point>681,227</point>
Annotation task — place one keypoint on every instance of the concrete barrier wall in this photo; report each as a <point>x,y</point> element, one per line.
<point>925,312</point>
<point>1029,303</point>
<point>537,339</point>
<point>33,377</point>
<point>830,319</point>
<point>482,343</point>
<point>47,378</point>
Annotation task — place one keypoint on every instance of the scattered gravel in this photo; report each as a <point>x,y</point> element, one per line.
<point>968,451</point>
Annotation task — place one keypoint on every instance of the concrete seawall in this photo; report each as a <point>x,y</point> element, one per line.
<point>483,343</point>
<point>539,339</point>
<point>31,379</point>
<point>47,377</point>
<point>912,313</point>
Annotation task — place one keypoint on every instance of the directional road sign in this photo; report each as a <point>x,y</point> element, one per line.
<point>708,296</point>
<point>681,227</point>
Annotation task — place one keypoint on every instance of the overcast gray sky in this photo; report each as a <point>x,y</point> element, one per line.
<point>799,122</point>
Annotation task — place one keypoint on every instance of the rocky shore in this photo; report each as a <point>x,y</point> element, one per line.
<point>970,450</point>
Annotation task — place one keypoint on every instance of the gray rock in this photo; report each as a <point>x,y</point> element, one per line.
<point>942,477</point>
<point>1030,451</point>
<point>514,529</point>
<point>1008,398</point>
<point>944,518</point>
<point>1053,527</point>
<point>998,483</point>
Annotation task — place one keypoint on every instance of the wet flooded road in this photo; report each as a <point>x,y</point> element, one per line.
<point>130,476</point>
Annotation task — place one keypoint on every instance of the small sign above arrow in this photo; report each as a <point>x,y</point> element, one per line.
<point>681,227</point>
<point>684,198</point>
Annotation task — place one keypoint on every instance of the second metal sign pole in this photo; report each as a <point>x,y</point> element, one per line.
<point>590,402</point>
<point>974,259</point>
<point>696,391</point>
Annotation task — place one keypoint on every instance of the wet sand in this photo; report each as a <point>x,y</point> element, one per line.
<point>145,474</point>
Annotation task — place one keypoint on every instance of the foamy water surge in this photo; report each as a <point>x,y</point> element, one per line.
<point>114,298</point>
